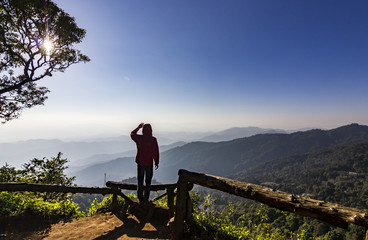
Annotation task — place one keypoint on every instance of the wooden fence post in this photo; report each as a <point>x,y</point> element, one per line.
<point>170,200</point>
<point>180,208</point>
<point>189,212</point>
<point>124,209</point>
<point>114,202</point>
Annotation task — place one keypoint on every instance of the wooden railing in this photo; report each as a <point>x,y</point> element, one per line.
<point>113,188</point>
<point>34,187</point>
<point>117,186</point>
<point>331,213</point>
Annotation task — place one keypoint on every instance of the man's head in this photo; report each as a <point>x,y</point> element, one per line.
<point>147,129</point>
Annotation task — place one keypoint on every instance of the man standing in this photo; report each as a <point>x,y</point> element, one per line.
<point>147,153</point>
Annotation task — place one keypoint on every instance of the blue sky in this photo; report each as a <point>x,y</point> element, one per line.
<point>206,66</point>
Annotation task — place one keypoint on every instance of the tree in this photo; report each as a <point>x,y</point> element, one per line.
<point>43,171</point>
<point>47,171</point>
<point>8,173</point>
<point>37,38</point>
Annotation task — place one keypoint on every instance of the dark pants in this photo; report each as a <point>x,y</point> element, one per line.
<point>141,172</point>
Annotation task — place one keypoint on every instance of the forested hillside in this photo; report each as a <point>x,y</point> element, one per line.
<point>337,174</point>
<point>231,157</point>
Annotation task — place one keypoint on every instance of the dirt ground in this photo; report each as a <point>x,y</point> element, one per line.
<point>107,226</point>
<point>99,226</point>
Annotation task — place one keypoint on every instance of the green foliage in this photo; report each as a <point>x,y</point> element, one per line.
<point>218,223</point>
<point>25,28</point>
<point>252,220</point>
<point>289,224</point>
<point>105,204</point>
<point>22,203</point>
<point>226,224</point>
<point>162,202</point>
<point>9,174</point>
<point>45,171</point>
<point>84,200</point>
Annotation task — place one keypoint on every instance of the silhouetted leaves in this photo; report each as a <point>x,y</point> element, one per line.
<point>24,27</point>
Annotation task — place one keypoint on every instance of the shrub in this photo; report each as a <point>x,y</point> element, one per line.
<point>224,225</point>
<point>27,203</point>
<point>105,204</point>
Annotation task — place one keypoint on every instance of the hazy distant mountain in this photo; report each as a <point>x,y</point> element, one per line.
<point>18,153</point>
<point>171,137</point>
<point>231,157</point>
<point>97,150</point>
<point>100,158</point>
<point>79,153</point>
<point>116,170</point>
<point>90,171</point>
<point>238,132</point>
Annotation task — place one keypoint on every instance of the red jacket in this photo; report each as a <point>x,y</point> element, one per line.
<point>147,149</point>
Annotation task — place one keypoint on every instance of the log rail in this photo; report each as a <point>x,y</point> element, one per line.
<point>113,188</point>
<point>331,213</point>
<point>35,187</point>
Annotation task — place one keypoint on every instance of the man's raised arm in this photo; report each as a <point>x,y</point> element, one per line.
<point>134,132</point>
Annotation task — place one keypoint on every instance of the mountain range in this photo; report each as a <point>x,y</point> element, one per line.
<point>229,158</point>
<point>237,132</point>
<point>96,150</point>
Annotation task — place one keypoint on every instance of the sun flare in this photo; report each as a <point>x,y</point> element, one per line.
<point>47,44</point>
